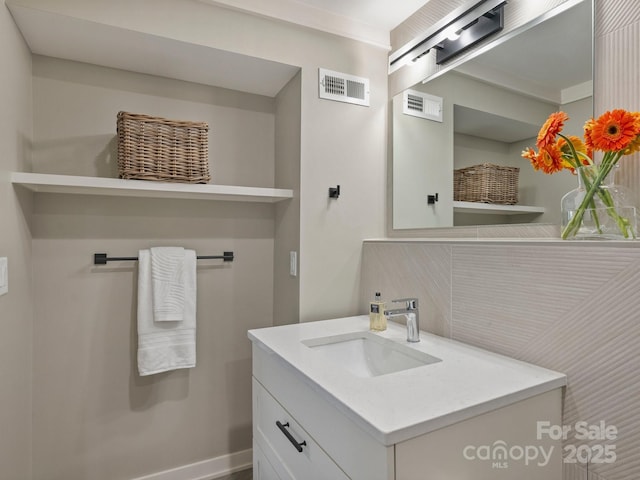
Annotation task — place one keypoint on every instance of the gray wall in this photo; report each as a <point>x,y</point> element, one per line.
<point>84,336</point>
<point>108,422</point>
<point>16,310</point>
<point>287,217</point>
<point>340,143</point>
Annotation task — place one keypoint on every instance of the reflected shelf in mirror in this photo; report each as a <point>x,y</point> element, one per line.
<point>495,209</point>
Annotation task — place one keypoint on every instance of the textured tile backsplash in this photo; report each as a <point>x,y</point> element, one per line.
<point>617,62</point>
<point>571,307</point>
<point>411,270</point>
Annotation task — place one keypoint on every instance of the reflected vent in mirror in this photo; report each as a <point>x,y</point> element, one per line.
<point>343,88</point>
<point>423,105</point>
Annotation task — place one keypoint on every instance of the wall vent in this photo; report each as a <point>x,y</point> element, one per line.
<point>423,105</point>
<point>343,88</point>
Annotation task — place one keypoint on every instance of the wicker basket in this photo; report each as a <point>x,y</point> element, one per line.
<point>486,183</point>
<point>155,148</point>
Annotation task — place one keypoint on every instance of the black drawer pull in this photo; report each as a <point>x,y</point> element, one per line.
<point>283,429</point>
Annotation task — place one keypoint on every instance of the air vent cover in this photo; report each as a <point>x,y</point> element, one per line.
<point>423,105</point>
<point>343,88</point>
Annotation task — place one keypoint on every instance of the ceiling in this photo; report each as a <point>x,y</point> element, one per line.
<point>364,20</point>
<point>386,14</point>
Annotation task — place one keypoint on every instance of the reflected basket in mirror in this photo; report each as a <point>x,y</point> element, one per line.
<point>486,183</point>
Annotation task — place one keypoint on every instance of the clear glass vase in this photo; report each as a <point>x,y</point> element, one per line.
<point>598,209</point>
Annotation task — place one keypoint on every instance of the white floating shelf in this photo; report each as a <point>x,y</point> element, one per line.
<point>70,184</point>
<point>494,209</point>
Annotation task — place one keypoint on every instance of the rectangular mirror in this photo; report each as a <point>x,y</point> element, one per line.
<point>493,107</point>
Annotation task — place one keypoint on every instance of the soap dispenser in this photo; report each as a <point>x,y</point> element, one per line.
<point>377,320</point>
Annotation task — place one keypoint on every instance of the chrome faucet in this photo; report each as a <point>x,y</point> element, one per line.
<point>410,311</point>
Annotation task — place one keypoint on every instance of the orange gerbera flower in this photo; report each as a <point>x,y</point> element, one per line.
<point>551,159</point>
<point>633,147</point>
<point>579,146</point>
<point>551,128</point>
<point>588,129</point>
<point>614,130</point>
<point>532,156</point>
<point>548,159</point>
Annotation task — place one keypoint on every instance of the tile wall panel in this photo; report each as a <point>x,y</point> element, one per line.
<point>531,230</point>
<point>617,67</point>
<point>617,85</point>
<point>579,472</point>
<point>570,307</point>
<point>617,73</point>
<point>572,310</point>
<point>403,270</point>
<point>509,295</point>
<point>613,15</point>
<point>573,472</point>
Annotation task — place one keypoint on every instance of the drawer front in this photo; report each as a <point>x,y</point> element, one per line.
<point>300,455</point>
<point>262,468</point>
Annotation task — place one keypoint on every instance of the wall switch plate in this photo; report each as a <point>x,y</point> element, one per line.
<point>293,264</point>
<point>4,275</point>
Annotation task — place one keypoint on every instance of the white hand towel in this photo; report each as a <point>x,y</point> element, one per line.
<point>167,278</point>
<point>164,346</point>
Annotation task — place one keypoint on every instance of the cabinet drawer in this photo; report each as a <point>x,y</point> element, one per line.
<point>262,468</point>
<point>300,454</point>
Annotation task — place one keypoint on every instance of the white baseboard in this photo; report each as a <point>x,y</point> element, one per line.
<point>206,469</point>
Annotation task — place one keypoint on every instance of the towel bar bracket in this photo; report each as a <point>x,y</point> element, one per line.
<point>102,258</point>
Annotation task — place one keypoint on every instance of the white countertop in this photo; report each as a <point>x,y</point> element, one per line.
<point>395,407</point>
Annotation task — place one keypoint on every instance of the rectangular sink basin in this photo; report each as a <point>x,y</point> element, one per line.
<point>365,354</point>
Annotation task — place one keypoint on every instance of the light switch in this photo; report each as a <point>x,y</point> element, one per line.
<point>4,276</point>
<point>293,263</point>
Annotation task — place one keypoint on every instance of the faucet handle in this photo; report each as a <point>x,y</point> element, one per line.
<point>411,303</point>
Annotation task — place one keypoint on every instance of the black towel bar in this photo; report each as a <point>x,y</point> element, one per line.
<point>102,258</point>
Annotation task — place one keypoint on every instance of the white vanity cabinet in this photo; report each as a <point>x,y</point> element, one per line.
<point>314,420</point>
<point>335,447</point>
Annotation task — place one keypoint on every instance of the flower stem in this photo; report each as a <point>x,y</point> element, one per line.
<point>593,186</point>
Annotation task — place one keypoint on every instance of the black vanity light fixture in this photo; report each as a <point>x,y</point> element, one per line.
<point>455,33</point>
